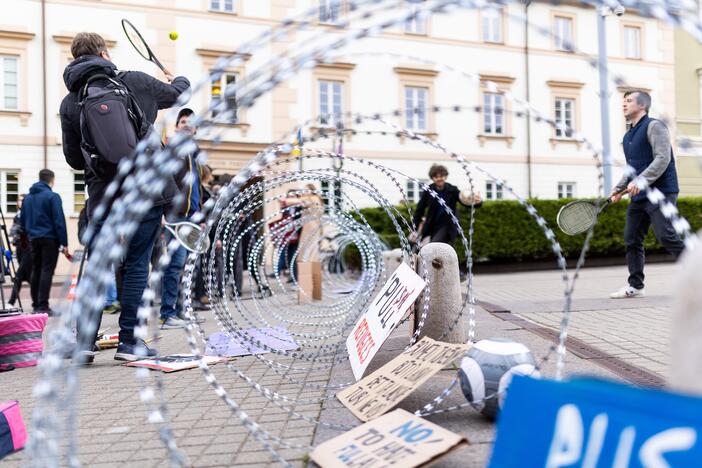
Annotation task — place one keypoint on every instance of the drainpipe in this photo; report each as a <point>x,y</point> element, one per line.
<point>43,78</point>
<point>528,94</point>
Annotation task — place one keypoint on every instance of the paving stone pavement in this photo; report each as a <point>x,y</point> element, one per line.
<point>113,430</point>
<point>636,331</point>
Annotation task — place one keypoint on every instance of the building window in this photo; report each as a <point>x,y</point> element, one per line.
<point>416,107</point>
<point>79,195</point>
<point>330,98</point>
<point>563,33</point>
<point>329,11</point>
<point>415,25</point>
<point>218,92</point>
<point>632,42</point>
<point>415,190</point>
<point>9,190</point>
<point>564,116</point>
<point>331,197</point>
<point>226,6</point>
<point>493,114</point>
<point>493,190</point>
<point>566,189</point>
<point>492,25</point>
<point>9,95</point>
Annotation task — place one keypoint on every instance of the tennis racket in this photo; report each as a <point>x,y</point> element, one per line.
<point>140,45</point>
<point>580,215</point>
<point>187,234</point>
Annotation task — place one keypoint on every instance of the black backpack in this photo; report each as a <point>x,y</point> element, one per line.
<point>111,123</point>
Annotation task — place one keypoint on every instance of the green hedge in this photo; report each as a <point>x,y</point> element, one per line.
<point>504,231</point>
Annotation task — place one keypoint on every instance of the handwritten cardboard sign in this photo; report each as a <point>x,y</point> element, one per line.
<point>396,439</point>
<point>381,317</point>
<point>175,362</point>
<point>378,392</point>
<point>588,422</point>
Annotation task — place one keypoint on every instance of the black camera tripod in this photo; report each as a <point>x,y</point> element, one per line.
<point>8,268</point>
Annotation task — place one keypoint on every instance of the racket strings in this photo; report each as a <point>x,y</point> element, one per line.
<point>577,217</point>
<point>137,41</point>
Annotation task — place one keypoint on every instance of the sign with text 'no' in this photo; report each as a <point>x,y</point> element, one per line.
<point>386,311</point>
<point>397,439</point>
<point>595,423</point>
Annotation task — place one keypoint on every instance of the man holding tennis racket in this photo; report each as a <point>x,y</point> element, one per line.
<point>123,108</point>
<point>648,150</point>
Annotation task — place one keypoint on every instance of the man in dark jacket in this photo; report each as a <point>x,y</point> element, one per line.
<point>437,224</point>
<point>92,57</point>
<point>43,221</point>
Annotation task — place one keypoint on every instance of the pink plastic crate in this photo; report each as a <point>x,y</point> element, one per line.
<point>20,339</point>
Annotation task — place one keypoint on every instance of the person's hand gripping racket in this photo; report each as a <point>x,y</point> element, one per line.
<point>143,48</point>
<point>580,215</point>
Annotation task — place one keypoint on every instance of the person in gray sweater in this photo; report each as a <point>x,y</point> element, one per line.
<point>648,150</point>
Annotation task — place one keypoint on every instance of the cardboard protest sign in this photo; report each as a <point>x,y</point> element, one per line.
<point>378,392</point>
<point>587,422</point>
<point>398,438</point>
<point>175,362</point>
<point>224,344</point>
<point>378,321</point>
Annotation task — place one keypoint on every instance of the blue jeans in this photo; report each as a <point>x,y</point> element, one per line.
<point>170,287</point>
<point>136,271</point>
<point>111,293</point>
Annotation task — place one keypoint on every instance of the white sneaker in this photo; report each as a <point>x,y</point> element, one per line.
<point>627,292</point>
<point>172,322</point>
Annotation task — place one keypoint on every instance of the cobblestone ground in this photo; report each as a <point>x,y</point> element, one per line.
<point>634,330</point>
<point>113,429</point>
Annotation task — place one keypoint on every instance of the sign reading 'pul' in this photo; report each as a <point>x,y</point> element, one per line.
<point>384,313</point>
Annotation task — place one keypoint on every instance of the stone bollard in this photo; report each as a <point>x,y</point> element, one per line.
<point>686,344</point>
<point>392,260</point>
<point>443,279</point>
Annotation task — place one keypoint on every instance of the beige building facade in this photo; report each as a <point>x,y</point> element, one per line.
<point>552,71</point>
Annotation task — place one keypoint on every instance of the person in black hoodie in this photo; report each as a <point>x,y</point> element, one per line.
<point>92,57</point>
<point>437,224</point>
<point>43,220</point>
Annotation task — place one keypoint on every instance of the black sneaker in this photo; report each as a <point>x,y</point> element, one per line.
<point>134,351</point>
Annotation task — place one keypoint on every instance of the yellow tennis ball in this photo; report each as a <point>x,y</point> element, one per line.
<point>173,35</point>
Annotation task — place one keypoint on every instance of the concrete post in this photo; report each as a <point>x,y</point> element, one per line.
<point>443,279</point>
<point>686,345</point>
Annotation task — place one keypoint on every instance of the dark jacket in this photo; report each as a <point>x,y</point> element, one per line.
<point>42,214</point>
<point>186,188</point>
<point>437,216</point>
<point>18,235</point>
<point>151,95</point>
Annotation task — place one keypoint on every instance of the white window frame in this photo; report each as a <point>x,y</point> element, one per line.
<point>414,190</point>
<point>331,101</point>
<point>416,112</point>
<point>632,46</point>
<point>4,191</point>
<point>493,114</point>
<point>565,116</point>
<point>75,191</point>
<point>492,25</point>
<point>329,11</point>
<point>566,190</point>
<point>223,84</point>
<point>3,60</point>
<point>221,6</point>
<point>493,190</point>
<point>563,36</point>
<point>415,26</point>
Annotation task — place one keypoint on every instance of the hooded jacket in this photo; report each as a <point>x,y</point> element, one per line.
<point>151,95</point>
<point>42,214</point>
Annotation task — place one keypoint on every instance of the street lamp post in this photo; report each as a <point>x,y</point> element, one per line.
<point>604,92</point>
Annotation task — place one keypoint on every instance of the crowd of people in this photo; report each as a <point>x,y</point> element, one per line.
<point>107,111</point>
